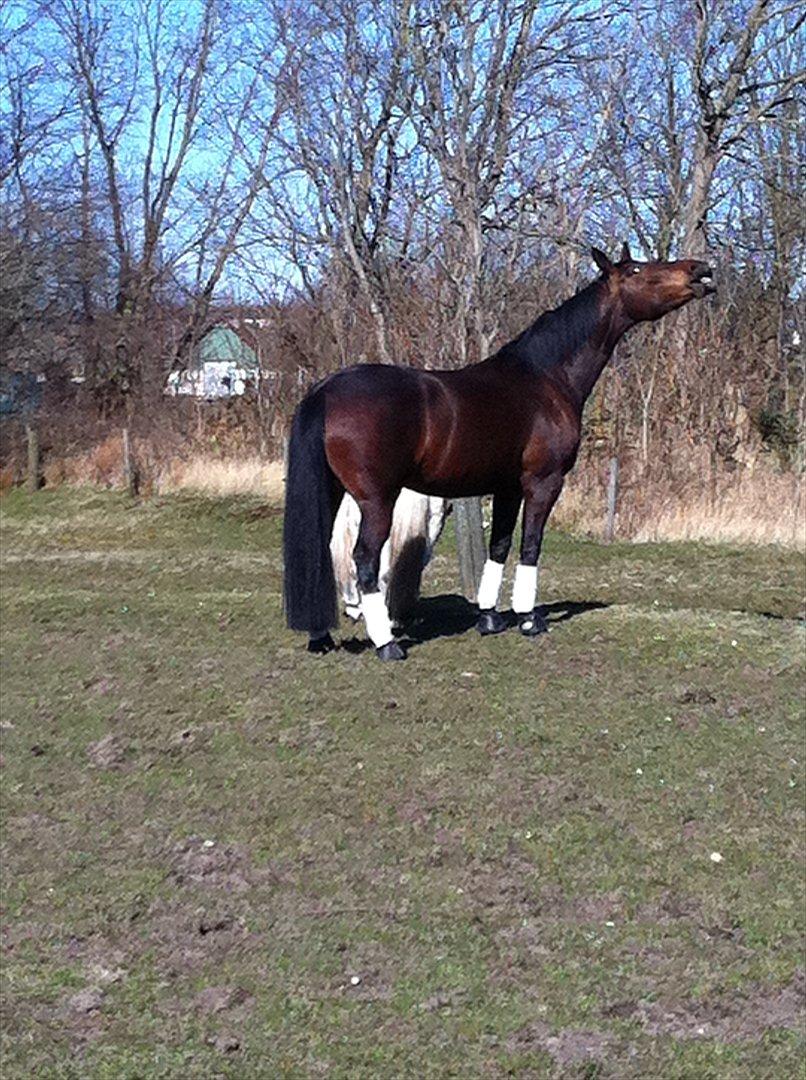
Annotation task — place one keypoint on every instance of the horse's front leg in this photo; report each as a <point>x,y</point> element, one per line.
<point>376,524</point>
<point>540,495</point>
<point>505,514</point>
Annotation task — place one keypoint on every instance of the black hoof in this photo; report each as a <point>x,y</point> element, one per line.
<point>533,624</point>
<point>393,651</point>
<point>491,622</point>
<point>321,645</point>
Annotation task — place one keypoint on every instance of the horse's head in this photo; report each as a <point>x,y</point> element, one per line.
<point>648,290</point>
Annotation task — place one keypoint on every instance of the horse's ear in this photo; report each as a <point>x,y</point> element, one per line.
<point>625,252</point>
<point>601,259</point>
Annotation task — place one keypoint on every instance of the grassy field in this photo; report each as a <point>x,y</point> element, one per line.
<point>578,856</point>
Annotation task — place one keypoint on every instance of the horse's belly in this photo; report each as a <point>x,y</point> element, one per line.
<point>471,464</point>
<point>461,480</point>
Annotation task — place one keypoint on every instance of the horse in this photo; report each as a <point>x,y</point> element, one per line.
<point>417,524</point>
<point>509,426</point>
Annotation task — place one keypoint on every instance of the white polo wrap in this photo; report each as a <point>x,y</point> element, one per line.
<point>379,626</point>
<point>490,585</point>
<point>524,589</point>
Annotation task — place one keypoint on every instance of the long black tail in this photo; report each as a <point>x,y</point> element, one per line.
<point>310,584</point>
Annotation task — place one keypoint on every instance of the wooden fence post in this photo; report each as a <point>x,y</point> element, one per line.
<point>33,477</point>
<point>469,543</point>
<point>612,497</point>
<point>130,466</point>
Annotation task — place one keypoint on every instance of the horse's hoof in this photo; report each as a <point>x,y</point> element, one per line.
<point>491,622</point>
<point>318,646</point>
<point>533,624</point>
<point>392,651</point>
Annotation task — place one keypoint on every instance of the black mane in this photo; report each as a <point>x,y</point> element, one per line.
<point>556,335</point>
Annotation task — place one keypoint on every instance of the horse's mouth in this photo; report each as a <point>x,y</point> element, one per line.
<point>702,282</point>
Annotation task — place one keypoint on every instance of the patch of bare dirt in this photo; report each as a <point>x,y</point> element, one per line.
<point>442,1000</point>
<point>31,823</point>
<point>717,925</point>
<point>227,867</point>
<point>447,848</point>
<point>553,903</point>
<point>108,753</point>
<point>411,812</point>
<point>99,684</point>
<point>417,807</point>
<point>313,735</point>
<point>187,739</point>
<point>374,985</point>
<point>671,907</point>
<point>507,884</point>
<point>694,695</point>
<point>367,973</point>
<point>186,939</point>
<point>739,1019</point>
<point>218,999</point>
<point>568,1046</point>
<point>80,1017</point>
<point>224,1043</point>
<point>84,1002</point>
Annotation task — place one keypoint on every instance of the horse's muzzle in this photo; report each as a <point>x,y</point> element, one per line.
<point>702,280</point>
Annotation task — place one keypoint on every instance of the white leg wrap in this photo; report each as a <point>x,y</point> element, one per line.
<point>524,589</point>
<point>490,585</point>
<point>385,567</point>
<point>379,627</point>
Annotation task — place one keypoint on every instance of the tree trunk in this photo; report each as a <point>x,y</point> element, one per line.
<point>612,500</point>
<point>130,466</point>
<point>469,544</point>
<point>696,211</point>
<point>33,477</point>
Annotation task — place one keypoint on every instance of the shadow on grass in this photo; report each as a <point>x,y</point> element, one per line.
<point>452,615</point>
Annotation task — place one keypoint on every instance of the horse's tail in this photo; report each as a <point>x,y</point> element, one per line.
<point>310,585</point>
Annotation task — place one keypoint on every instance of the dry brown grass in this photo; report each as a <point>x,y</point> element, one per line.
<point>228,476</point>
<point>758,505</point>
<point>761,510</point>
<point>762,506</point>
<point>100,466</point>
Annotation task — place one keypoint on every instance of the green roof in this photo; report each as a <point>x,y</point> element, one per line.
<point>222,344</point>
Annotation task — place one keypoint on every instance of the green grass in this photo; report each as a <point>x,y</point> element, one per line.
<point>507,842</point>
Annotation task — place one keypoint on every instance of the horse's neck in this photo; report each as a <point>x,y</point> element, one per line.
<point>584,366</point>
<point>574,342</point>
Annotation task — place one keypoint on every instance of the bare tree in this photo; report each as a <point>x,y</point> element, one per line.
<point>734,93</point>
<point>342,140</point>
<point>475,95</point>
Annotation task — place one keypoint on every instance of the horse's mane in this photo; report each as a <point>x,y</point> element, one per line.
<point>556,335</point>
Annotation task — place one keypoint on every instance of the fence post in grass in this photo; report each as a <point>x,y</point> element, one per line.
<point>33,476</point>
<point>612,497</point>
<point>469,543</point>
<point>130,466</point>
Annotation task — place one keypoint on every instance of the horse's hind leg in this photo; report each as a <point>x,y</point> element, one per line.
<point>376,524</point>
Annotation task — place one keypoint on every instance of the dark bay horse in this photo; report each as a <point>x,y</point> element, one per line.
<point>507,427</point>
